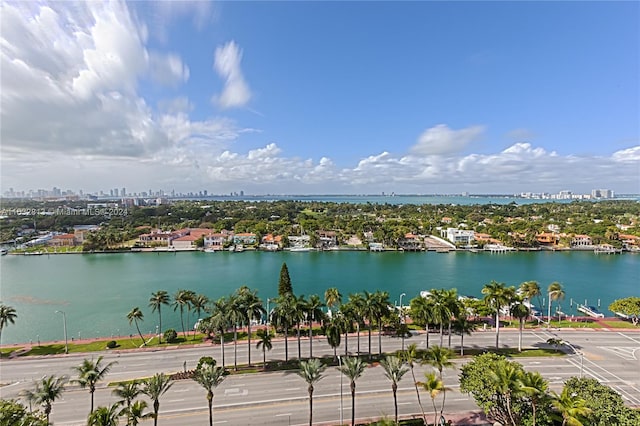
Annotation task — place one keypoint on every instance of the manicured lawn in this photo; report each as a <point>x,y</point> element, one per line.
<point>619,324</point>
<point>4,353</point>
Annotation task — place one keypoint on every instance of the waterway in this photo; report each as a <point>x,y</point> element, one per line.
<point>96,291</point>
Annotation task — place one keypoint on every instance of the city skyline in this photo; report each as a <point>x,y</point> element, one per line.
<point>321,98</point>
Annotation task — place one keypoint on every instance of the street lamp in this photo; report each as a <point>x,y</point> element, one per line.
<point>575,351</point>
<point>340,362</point>
<point>64,323</point>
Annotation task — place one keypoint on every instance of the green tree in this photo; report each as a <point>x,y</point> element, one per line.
<point>199,304</point>
<point>433,385</point>
<point>181,300</point>
<point>381,303</point>
<point>220,321</point>
<point>439,358</point>
<point>104,416</point>
<point>629,306</point>
<point>45,393</point>
<point>127,392</point>
<point>506,378</point>
<point>571,407</point>
<point>332,297</point>
<point>556,292</point>
<point>394,369</point>
<point>608,407</point>
<point>410,356</point>
<point>264,342</point>
<point>355,306</point>
<point>420,311</point>
<point>209,377</point>
<point>521,311</point>
<point>90,373</point>
<point>156,301</point>
<point>311,371</point>
<point>284,285</point>
<point>12,413</point>
<point>462,326</point>
<point>282,317</point>
<point>497,295</point>
<point>134,316</point>
<point>8,316</point>
<point>440,309</point>
<point>531,289</point>
<point>535,388</point>
<point>135,413</point>
<point>252,310</point>
<point>314,313</point>
<point>154,387</point>
<point>353,367</point>
<point>333,331</point>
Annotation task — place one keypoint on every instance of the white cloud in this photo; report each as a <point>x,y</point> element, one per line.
<point>168,70</point>
<point>236,92</point>
<point>628,155</point>
<point>441,140</point>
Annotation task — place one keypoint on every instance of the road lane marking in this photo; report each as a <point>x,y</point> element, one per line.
<point>176,400</point>
<point>292,389</point>
<point>629,337</point>
<point>283,415</point>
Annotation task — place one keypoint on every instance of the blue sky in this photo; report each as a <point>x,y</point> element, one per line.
<point>317,97</point>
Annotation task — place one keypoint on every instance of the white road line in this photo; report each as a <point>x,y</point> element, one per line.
<point>292,389</point>
<point>176,400</point>
<point>283,414</point>
<point>629,337</point>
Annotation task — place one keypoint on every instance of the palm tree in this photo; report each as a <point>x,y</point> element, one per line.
<point>434,386</point>
<point>311,371</point>
<point>298,313</point>
<point>209,377</point>
<point>555,342</point>
<point>156,301</point>
<point>520,311</point>
<point>333,331</point>
<point>46,391</point>
<point>104,416</point>
<point>220,321</point>
<point>199,303</point>
<point>462,326</point>
<point>135,413</point>
<point>531,289</point>
<point>369,312</point>
<point>353,367</point>
<point>355,306</point>
<point>381,311</point>
<point>181,300</point>
<point>127,392</point>
<point>421,312</point>
<point>8,316</point>
<point>439,358</point>
<point>314,313</point>
<point>154,387</point>
<point>136,315</point>
<point>332,297</point>
<point>556,292</point>
<point>264,341</point>
<point>394,369</point>
<point>236,316</point>
<point>572,409</point>
<point>90,373</point>
<point>252,309</point>
<point>283,318</point>
<point>496,295</point>
<point>410,356</point>
<point>535,387</point>
<point>440,309</point>
<point>506,379</point>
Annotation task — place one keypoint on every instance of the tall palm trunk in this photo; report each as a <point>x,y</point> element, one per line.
<point>264,358</point>
<point>346,346</point>
<point>210,401</point>
<point>156,408</point>
<point>394,388</point>
<point>449,331</point>
<point>91,391</point>
<point>462,344</point>
<point>358,338</point>
<point>497,327</point>
<point>415,384</point>
<point>435,412</point>
<point>144,343</point>
<point>298,332</point>
<point>310,339</point>
<point>441,334</point>
<point>286,345</point>
<point>235,347</point>
<point>249,341</point>
<point>310,405</point>
<point>426,328</point>
<point>520,337</point>
<point>370,340</point>
<point>222,347</point>
<point>159,325</point>
<point>380,336</point>
<point>353,403</point>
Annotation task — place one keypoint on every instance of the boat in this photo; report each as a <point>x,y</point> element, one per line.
<point>209,250</point>
<point>238,248</point>
<point>4,252</point>
<point>606,249</point>
<point>299,248</point>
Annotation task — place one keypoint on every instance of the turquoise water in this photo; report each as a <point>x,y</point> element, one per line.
<point>96,291</point>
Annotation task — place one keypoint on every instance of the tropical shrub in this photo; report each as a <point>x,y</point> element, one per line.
<point>112,344</point>
<point>170,335</point>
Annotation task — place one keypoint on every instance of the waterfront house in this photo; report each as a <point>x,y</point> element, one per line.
<point>410,242</point>
<point>216,241</point>
<point>458,236</point>
<point>158,237</point>
<point>80,232</point>
<point>548,239</point>
<point>62,240</point>
<point>581,242</point>
<point>187,242</point>
<point>485,238</point>
<point>246,238</point>
<point>327,239</point>
<point>299,241</point>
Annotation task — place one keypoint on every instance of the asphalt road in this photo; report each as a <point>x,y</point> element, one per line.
<point>280,398</point>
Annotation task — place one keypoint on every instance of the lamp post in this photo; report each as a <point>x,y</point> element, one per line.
<point>64,323</point>
<point>340,362</point>
<point>402,319</point>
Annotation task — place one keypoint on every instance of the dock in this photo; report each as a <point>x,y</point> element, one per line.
<point>591,311</point>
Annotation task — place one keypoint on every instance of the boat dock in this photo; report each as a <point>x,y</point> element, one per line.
<point>591,311</point>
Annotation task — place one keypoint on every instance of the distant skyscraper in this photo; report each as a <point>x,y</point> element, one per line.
<point>123,192</point>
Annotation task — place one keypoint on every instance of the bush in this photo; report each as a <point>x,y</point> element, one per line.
<point>205,360</point>
<point>170,335</point>
<point>112,344</point>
